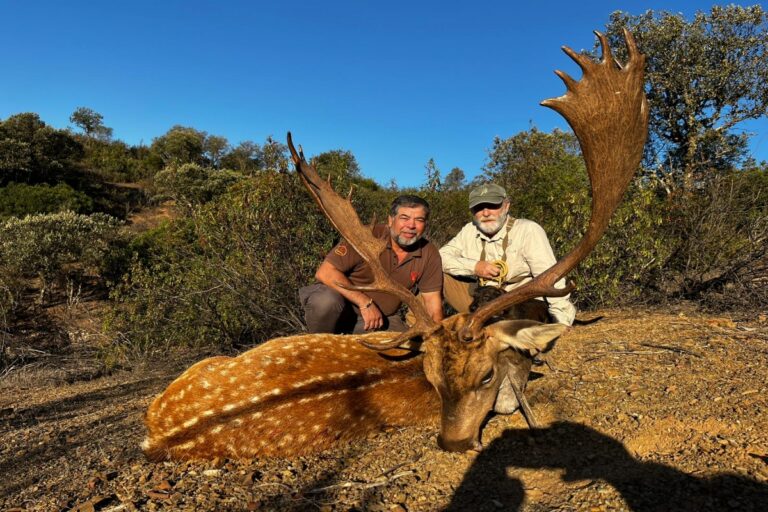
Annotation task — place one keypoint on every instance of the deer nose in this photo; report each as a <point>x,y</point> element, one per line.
<point>459,445</point>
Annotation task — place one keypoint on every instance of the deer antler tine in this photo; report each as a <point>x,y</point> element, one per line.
<point>294,155</point>
<point>349,196</point>
<point>583,61</point>
<point>606,49</point>
<point>569,82</point>
<point>632,49</point>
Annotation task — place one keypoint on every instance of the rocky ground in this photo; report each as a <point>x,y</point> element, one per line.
<point>644,410</point>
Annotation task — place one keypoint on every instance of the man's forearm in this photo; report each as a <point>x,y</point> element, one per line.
<point>330,276</point>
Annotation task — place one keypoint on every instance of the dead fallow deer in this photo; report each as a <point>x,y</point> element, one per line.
<point>301,394</point>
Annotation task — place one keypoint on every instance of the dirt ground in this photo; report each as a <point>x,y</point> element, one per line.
<point>644,410</point>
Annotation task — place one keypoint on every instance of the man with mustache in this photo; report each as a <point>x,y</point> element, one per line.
<point>494,236</point>
<point>409,259</point>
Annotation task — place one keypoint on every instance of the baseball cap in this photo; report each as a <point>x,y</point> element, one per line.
<point>488,193</point>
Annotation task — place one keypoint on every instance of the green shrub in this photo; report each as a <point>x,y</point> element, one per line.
<point>191,185</point>
<point>19,199</point>
<point>226,275</point>
<point>54,247</point>
<point>719,242</point>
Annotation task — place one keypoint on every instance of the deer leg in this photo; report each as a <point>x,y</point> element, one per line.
<point>525,408</point>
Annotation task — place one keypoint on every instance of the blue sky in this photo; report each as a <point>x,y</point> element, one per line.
<point>397,83</point>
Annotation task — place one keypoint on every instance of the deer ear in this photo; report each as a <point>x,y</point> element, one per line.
<point>525,334</point>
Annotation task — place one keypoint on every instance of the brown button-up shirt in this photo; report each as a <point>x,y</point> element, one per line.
<point>421,268</point>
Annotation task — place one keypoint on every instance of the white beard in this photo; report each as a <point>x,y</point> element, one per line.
<point>491,228</point>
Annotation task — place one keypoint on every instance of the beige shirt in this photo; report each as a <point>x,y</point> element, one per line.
<point>528,254</point>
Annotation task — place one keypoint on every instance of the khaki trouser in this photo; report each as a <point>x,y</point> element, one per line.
<point>457,292</point>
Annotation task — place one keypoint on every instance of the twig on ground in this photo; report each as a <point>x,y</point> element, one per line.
<point>398,466</point>
<point>672,349</point>
<point>377,482</point>
<point>598,355</point>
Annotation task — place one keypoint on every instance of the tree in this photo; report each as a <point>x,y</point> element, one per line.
<point>274,155</point>
<point>433,182</point>
<point>214,148</point>
<point>703,78</point>
<point>180,145</point>
<point>91,122</point>
<point>31,151</point>
<point>341,165</point>
<point>245,157</point>
<point>454,180</point>
<point>520,161</point>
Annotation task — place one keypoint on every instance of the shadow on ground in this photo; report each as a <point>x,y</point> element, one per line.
<point>584,454</point>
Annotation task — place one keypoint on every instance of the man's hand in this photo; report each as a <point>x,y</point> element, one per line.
<point>372,317</point>
<point>486,270</point>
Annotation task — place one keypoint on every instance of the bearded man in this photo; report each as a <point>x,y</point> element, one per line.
<point>499,250</point>
<point>409,259</point>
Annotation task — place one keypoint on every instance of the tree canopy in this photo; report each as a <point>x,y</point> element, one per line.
<point>703,78</point>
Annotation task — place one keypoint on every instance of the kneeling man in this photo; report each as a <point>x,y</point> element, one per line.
<point>409,259</point>
<point>494,242</point>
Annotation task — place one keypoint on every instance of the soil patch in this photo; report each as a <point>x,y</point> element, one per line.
<point>644,410</point>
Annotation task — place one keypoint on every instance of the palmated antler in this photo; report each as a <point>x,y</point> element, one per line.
<point>608,112</point>
<point>342,215</point>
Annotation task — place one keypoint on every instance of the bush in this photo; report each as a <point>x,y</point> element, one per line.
<point>719,236</point>
<point>191,185</point>
<point>225,276</point>
<point>53,247</point>
<point>19,199</point>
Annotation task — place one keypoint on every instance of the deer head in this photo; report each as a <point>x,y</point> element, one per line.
<point>466,356</point>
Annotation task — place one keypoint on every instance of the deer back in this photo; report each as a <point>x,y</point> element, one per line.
<point>289,396</point>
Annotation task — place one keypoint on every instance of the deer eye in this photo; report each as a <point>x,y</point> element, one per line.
<point>487,378</point>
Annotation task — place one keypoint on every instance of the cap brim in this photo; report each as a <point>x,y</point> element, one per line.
<point>486,200</point>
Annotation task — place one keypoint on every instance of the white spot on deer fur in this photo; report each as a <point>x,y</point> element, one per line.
<point>237,422</point>
<point>208,413</point>
<point>255,399</point>
<point>205,384</point>
<point>224,373</point>
<point>228,407</point>
<point>217,429</point>
<point>276,391</point>
<point>191,422</point>
<point>316,428</point>
<point>302,438</point>
<point>186,446</point>
<point>232,380</point>
<point>257,415</point>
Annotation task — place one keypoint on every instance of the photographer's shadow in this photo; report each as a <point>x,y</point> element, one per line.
<point>586,454</point>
